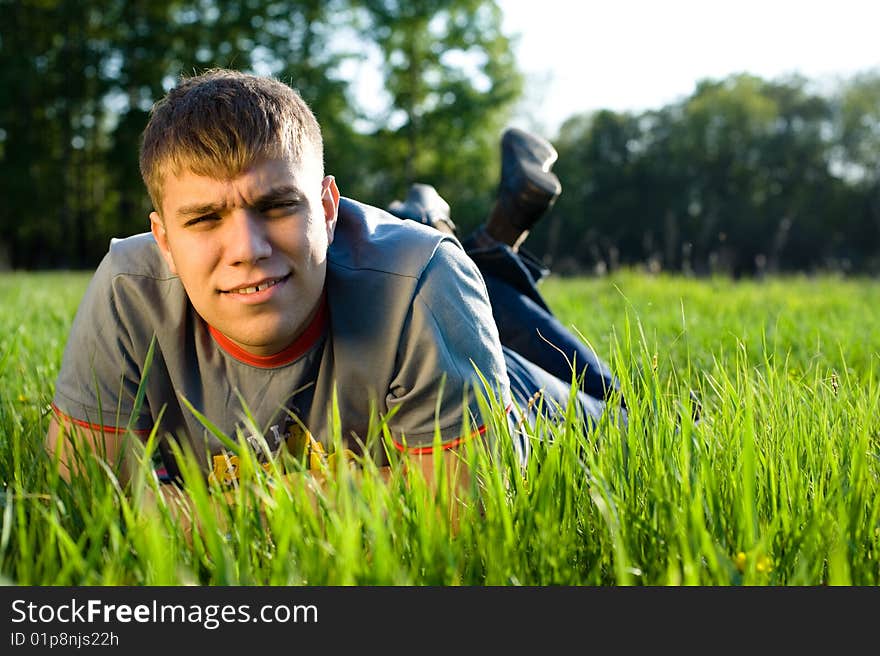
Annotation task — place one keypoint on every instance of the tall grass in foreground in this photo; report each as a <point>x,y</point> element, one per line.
<point>776,484</point>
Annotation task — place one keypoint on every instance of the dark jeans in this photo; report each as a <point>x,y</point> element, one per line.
<point>540,352</point>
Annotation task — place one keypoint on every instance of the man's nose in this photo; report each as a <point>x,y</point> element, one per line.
<point>247,239</point>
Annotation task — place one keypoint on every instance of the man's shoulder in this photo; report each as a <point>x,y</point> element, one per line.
<point>135,274</point>
<point>137,256</point>
<point>370,239</point>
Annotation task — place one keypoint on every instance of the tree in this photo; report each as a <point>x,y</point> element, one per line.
<point>50,70</point>
<point>80,80</point>
<point>736,178</point>
<point>597,168</point>
<point>452,79</point>
<point>857,161</point>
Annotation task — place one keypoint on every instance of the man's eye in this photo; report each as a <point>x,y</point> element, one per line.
<point>201,220</point>
<point>281,208</point>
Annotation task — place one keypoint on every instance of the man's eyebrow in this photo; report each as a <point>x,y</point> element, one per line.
<point>286,193</point>
<point>200,210</point>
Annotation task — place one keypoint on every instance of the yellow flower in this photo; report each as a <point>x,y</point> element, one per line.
<point>763,564</point>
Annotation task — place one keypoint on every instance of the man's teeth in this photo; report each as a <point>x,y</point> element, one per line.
<point>258,288</point>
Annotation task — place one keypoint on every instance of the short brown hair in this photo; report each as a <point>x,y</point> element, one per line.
<point>219,123</point>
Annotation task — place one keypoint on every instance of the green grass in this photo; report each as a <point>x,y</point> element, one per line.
<point>777,485</point>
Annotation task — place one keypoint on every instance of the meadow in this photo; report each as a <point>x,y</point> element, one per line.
<point>775,484</point>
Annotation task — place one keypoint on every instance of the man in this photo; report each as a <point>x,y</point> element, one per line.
<point>262,301</point>
<point>260,290</point>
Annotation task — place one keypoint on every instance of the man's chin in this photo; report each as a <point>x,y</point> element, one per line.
<point>262,340</point>
<point>267,344</point>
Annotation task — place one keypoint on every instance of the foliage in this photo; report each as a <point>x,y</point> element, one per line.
<point>745,176</point>
<point>79,80</point>
<point>451,76</point>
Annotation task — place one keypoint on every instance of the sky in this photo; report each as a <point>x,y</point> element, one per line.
<point>632,55</point>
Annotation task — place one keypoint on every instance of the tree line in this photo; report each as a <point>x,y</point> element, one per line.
<point>744,176</point>
<point>79,79</point>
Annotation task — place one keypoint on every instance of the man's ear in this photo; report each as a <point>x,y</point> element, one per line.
<point>330,203</point>
<point>157,227</point>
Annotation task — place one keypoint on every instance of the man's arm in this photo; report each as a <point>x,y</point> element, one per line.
<point>457,478</point>
<point>70,445</point>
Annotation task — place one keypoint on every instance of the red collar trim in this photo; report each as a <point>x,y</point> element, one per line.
<point>299,347</point>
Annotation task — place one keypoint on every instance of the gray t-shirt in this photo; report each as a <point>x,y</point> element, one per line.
<point>404,327</point>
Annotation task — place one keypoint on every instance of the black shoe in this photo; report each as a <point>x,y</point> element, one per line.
<point>527,188</point>
<point>424,205</point>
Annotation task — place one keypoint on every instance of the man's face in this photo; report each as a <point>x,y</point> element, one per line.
<point>251,251</point>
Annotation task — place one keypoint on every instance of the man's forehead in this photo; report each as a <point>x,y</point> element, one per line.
<point>265,173</point>
<point>276,177</point>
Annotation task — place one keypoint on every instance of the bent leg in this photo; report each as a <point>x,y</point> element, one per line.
<point>526,324</point>
<point>532,388</point>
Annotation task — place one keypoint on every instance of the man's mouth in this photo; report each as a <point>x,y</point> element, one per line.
<point>266,284</point>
